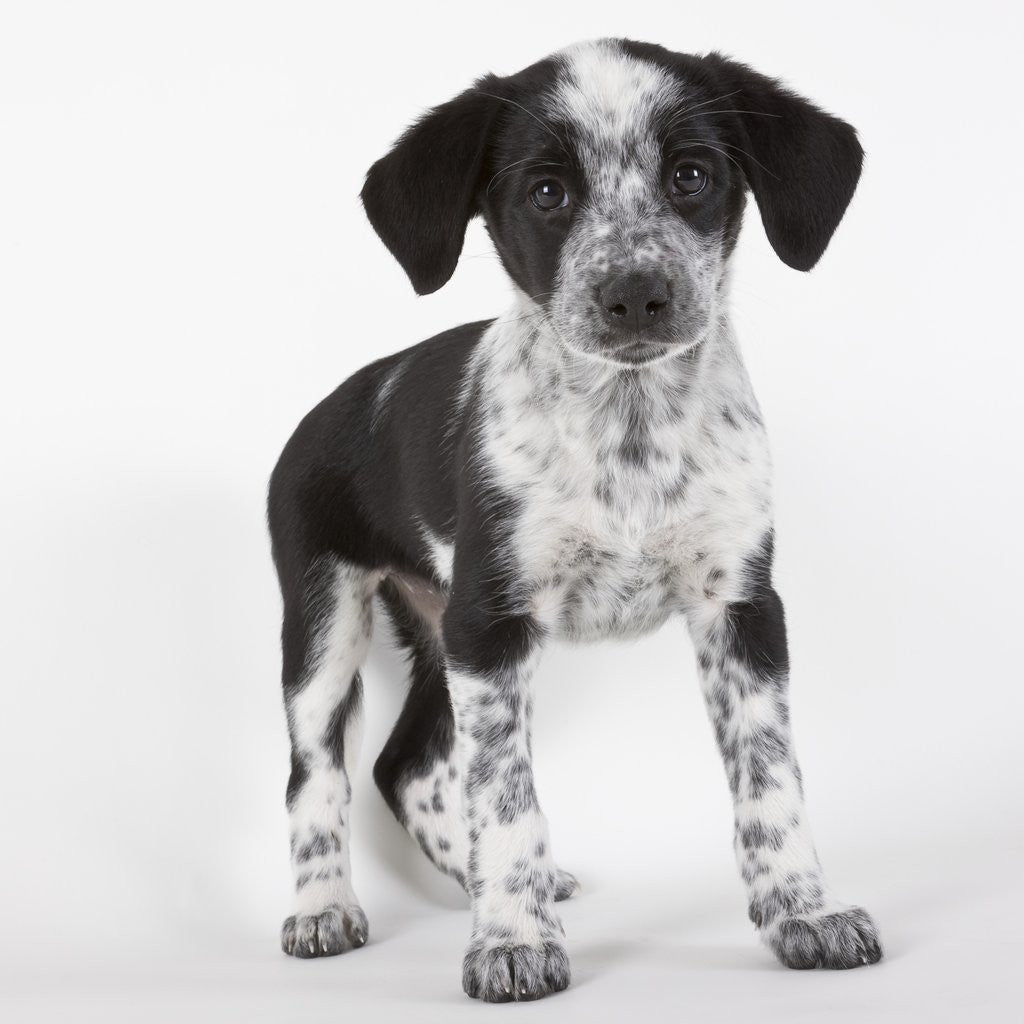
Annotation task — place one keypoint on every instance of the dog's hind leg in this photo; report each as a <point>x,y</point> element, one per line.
<point>327,622</point>
<point>417,771</point>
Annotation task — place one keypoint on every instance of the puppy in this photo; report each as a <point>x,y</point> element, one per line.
<point>586,466</point>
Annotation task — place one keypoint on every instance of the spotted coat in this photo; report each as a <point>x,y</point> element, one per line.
<point>586,466</point>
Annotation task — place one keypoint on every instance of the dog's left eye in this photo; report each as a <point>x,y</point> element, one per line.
<point>689,180</point>
<point>549,195</point>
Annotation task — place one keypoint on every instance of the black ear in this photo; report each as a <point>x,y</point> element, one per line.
<point>801,164</point>
<point>421,196</point>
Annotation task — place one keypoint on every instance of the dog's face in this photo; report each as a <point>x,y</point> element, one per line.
<point>615,207</point>
<point>612,179</point>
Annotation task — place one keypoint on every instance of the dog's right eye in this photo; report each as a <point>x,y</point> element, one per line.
<point>549,195</point>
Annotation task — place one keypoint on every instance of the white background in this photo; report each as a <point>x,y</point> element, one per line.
<point>185,269</point>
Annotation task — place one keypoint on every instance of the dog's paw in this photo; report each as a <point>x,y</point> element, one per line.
<point>506,973</point>
<point>566,885</point>
<point>840,940</point>
<point>335,930</point>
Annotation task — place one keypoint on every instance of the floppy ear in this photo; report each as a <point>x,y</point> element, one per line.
<point>421,196</point>
<point>801,164</point>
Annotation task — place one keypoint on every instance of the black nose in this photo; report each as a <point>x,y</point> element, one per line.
<point>634,301</point>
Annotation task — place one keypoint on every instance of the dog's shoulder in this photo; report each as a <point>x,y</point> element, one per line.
<point>382,443</point>
<point>389,390</point>
<point>428,374</point>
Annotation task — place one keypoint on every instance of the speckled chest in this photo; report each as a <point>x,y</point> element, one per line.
<point>591,571</point>
<point>634,508</point>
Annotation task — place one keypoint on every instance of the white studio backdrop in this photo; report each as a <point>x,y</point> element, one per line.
<point>185,270</point>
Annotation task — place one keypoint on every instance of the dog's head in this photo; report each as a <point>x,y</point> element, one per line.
<point>612,177</point>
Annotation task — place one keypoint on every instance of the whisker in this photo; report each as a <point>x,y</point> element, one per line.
<point>697,106</point>
<point>696,144</point>
<point>540,314</point>
<point>690,143</point>
<point>509,169</point>
<point>708,113</point>
<point>547,128</point>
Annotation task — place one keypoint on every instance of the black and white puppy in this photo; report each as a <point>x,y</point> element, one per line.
<point>585,466</point>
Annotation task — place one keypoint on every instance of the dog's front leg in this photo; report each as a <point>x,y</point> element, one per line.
<point>741,648</point>
<point>516,951</point>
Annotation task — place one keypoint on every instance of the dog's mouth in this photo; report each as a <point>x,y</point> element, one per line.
<point>577,332</point>
<point>639,350</point>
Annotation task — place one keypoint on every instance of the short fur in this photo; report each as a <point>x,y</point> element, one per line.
<point>585,466</point>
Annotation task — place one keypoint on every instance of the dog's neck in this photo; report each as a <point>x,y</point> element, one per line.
<point>560,423</point>
<point>549,372</point>
<point>613,447</point>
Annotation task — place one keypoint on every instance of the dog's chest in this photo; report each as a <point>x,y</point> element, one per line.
<point>589,571</point>
<point>623,521</point>
<point>590,585</point>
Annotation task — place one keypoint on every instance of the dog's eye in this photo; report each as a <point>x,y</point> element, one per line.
<point>549,195</point>
<point>688,180</point>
